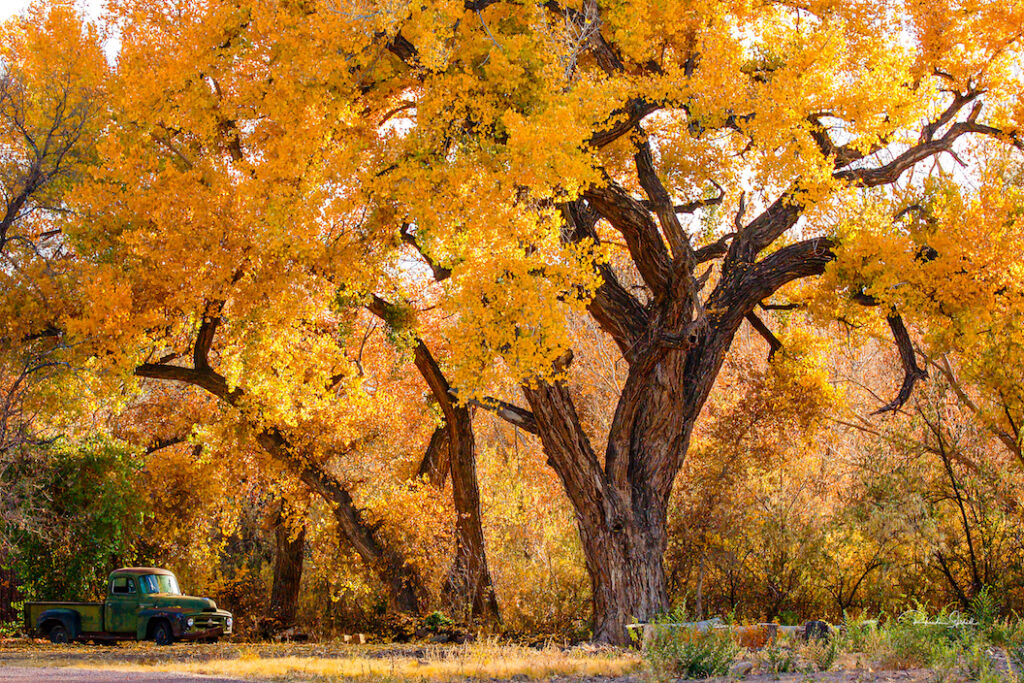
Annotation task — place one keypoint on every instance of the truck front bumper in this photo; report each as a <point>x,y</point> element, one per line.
<point>201,633</point>
<point>205,625</point>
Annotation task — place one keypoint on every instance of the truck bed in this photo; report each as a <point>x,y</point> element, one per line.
<point>91,613</point>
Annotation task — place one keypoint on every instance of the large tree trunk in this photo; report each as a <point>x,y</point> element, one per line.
<point>621,505</point>
<point>467,589</point>
<point>627,577</point>
<point>288,560</point>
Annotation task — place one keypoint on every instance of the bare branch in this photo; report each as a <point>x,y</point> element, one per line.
<point>514,415</point>
<point>773,342</point>
<point>929,146</point>
<point>409,237</point>
<point>661,204</point>
<point>911,371</point>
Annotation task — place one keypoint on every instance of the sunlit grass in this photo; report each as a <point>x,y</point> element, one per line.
<point>472,662</point>
<point>479,661</point>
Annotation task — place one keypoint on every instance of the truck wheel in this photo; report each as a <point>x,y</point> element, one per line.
<point>59,634</point>
<point>162,633</point>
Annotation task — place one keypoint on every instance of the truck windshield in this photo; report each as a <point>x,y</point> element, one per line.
<point>159,583</point>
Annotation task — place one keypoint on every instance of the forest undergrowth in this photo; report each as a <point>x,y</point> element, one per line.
<point>941,646</point>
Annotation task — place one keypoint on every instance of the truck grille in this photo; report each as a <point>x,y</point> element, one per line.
<point>203,622</point>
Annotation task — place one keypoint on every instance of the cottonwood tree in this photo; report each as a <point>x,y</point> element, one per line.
<point>225,229</point>
<point>545,134</point>
<point>51,70</point>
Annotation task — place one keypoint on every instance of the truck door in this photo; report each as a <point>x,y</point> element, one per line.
<point>121,608</point>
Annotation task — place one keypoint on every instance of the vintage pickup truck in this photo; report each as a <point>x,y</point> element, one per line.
<point>142,603</point>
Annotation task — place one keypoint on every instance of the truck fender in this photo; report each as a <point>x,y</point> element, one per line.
<point>69,618</point>
<point>174,617</point>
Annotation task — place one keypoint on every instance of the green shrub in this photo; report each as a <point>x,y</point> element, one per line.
<point>984,608</point>
<point>919,639</point>
<point>436,621</point>
<point>858,633</point>
<point>780,660</point>
<point>822,654</point>
<point>688,653</point>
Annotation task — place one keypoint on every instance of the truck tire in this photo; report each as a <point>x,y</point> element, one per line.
<point>58,634</point>
<point>162,634</point>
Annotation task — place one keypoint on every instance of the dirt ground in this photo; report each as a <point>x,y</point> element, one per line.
<point>19,674</point>
<point>22,661</point>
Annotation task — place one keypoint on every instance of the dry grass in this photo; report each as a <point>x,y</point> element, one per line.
<point>481,661</point>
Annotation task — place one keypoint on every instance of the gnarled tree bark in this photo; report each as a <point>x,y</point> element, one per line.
<point>289,555</point>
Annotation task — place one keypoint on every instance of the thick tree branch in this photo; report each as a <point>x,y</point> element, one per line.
<point>565,443</point>
<point>927,147</point>
<point>779,307</point>
<point>843,155</point>
<point>409,237</point>
<point>764,278</point>
<point>623,121</point>
<point>691,207</point>
<point>911,371</point>
<point>769,225</point>
<point>204,378</point>
<point>786,210</point>
<point>618,312</point>
<point>403,49</point>
<point>773,342</point>
<point>661,203</point>
<point>1013,138</point>
<point>207,332</point>
<point>716,249</point>
<point>436,461</point>
<point>629,217</point>
<point>908,360</point>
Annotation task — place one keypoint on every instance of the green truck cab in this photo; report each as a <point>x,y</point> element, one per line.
<point>142,603</point>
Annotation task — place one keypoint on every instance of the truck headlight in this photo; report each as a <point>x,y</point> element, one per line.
<point>228,622</point>
<point>190,621</point>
